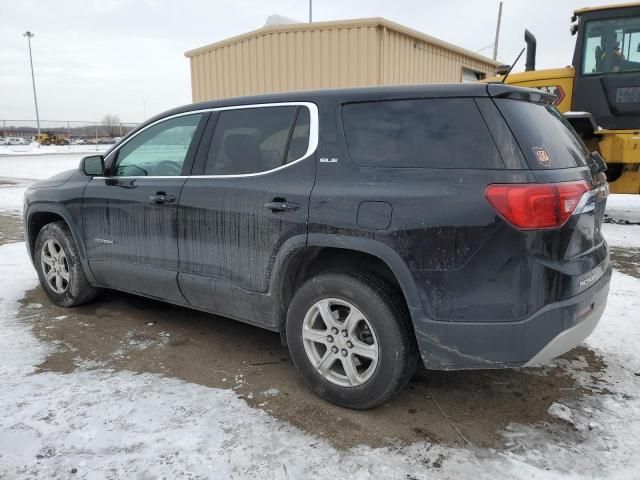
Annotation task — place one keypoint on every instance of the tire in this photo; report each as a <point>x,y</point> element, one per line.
<point>47,142</point>
<point>385,327</point>
<point>56,251</point>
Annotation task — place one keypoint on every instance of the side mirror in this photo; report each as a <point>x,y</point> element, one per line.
<point>92,165</point>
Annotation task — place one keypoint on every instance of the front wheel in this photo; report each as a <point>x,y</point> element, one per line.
<point>59,268</point>
<point>351,340</point>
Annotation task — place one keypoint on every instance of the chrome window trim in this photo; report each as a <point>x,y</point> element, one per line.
<point>313,138</point>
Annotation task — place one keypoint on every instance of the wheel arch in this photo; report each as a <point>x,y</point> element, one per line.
<point>296,263</point>
<point>39,216</point>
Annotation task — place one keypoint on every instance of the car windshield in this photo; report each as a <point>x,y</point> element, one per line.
<point>611,46</point>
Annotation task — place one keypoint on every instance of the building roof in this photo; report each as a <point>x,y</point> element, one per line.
<point>358,22</point>
<point>582,11</point>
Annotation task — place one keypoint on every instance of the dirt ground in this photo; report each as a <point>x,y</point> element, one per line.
<point>125,332</point>
<point>627,260</point>
<point>11,229</point>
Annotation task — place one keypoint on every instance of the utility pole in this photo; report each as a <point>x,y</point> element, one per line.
<point>495,43</point>
<point>29,36</point>
<point>310,11</point>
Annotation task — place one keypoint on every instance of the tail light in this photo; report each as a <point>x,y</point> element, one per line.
<point>530,206</point>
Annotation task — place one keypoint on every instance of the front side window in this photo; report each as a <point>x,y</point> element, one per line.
<point>159,150</point>
<point>254,140</point>
<point>611,46</point>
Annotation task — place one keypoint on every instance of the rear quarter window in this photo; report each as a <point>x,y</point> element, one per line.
<point>419,133</point>
<point>546,138</point>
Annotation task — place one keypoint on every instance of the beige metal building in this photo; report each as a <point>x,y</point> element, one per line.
<point>348,53</point>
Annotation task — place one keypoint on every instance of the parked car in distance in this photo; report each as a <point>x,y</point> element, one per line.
<point>3,141</point>
<point>459,225</point>
<point>16,141</point>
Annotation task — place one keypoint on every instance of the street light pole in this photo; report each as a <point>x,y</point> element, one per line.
<point>495,43</point>
<point>29,36</point>
<point>310,11</point>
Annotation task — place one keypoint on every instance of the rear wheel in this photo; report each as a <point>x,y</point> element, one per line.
<point>351,339</point>
<point>59,268</point>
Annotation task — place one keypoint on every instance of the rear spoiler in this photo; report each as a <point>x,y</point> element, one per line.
<point>499,90</point>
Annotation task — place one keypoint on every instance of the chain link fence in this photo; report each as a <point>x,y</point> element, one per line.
<point>62,132</point>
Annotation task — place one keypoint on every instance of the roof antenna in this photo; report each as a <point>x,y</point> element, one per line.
<point>512,65</point>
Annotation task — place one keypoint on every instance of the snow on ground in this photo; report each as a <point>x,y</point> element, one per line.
<point>38,167</point>
<point>561,411</point>
<point>108,424</point>
<point>623,208</point>
<point>11,197</point>
<point>17,172</point>
<point>625,236</point>
<point>607,426</point>
<point>35,149</point>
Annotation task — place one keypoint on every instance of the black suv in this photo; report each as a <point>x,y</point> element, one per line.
<point>459,224</point>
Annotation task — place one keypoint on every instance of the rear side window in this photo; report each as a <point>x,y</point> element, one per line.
<point>422,133</point>
<point>544,135</point>
<point>250,140</point>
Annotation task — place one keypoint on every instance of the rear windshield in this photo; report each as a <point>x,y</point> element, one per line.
<point>427,133</point>
<point>544,135</point>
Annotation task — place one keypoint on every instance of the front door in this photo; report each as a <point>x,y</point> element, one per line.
<point>130,215</point>
<point>247,196</point>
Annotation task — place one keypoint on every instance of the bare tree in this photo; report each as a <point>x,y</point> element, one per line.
<point>111,124</point>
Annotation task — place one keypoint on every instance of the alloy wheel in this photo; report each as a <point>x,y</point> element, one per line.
<point>55,266</point>
<point>340,342</point>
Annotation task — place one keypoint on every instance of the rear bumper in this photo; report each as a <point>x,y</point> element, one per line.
<point>552,331</point>
<point>570,338</point>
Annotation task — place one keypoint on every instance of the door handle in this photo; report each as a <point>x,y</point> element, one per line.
<point>161,198</point>
<point>280,205</point>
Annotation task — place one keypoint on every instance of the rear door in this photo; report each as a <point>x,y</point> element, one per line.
<point>247,196</point>
<point>130,216</point>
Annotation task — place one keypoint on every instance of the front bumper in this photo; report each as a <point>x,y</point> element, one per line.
<point>550,332</point>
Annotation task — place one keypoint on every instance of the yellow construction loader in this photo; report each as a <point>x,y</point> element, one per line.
<point>600,92</point>
<point>48,138</point>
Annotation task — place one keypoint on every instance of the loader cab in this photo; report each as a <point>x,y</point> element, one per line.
<point>607,65</point>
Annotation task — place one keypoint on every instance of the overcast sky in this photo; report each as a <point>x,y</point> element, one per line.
<point>126,57</point>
